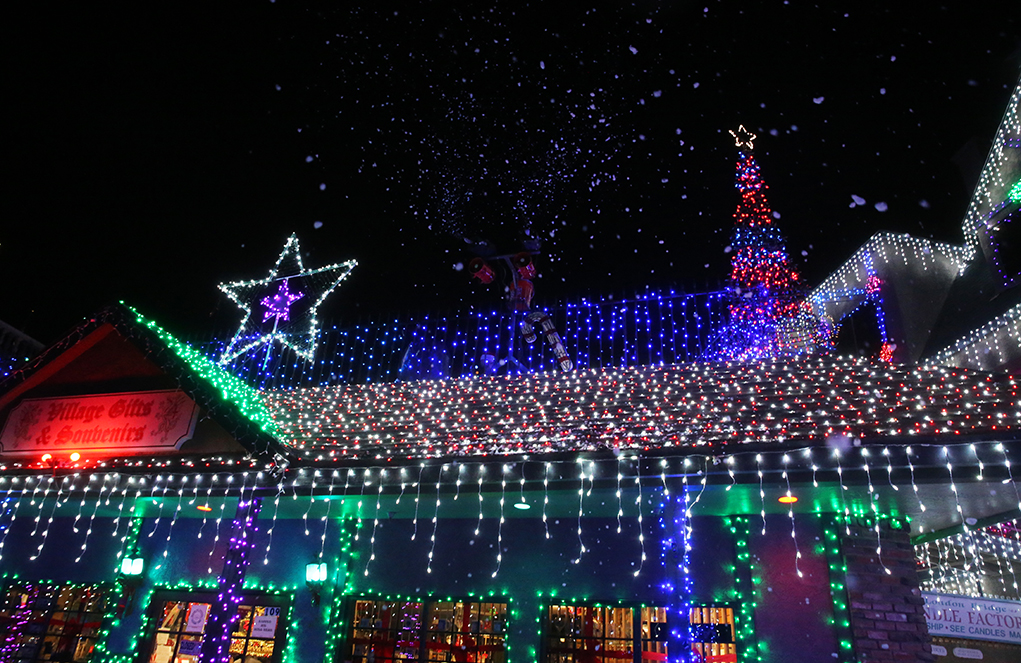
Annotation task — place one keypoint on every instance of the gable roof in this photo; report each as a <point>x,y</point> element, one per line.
<point>235,406</point>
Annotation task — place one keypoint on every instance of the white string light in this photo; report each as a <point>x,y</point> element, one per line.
<point>418,495</point>
<point>206,509</point>
<point>499,528</point>
<point>620,504</point>
<point>375,524</point>
<point>42,502</point>
<point>81,505</point>
<point>173,521</point>
<point>762,492</point>
<point>14,515</point>
<point>638,501</point>
<point>436,519</point>
<point>326,517</point>
<point>482,473</point>
<point>843,502</point>
<point>273,522</point>
<point>545,496</point>
<point>790,514</point>
<point>875,510</point>
<point>311,501</point>
<point>49,522</point>
<point>581,508</point>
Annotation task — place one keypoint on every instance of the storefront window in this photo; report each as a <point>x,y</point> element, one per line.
<point>599,634</point>
<point>712,631</point>
<point>455,631</point>
<point>42,622</point>
<point>181,625</point>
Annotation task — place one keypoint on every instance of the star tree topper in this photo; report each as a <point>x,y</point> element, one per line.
<point>282,314</point>
<point>743,137</point>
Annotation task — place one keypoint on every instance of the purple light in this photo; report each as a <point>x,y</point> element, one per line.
<point>278,305</point>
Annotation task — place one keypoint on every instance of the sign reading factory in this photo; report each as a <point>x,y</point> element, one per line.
<point>143,421</point>
<point>966,617</point>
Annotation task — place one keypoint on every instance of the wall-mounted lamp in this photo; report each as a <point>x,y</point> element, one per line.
<point>130,578</point>
<point>132,566</point>
<point>315,577</point>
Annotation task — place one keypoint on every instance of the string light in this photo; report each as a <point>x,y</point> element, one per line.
<point>875,511</point>
<point>482,472</point>
<point>14,516</point>
<point>49,522</point>
<point>499,528</point>
<point>638,501</point>
<point>296,331</point>
<point>311,501</point>
<point>173,521</point>
<point>273,522</point>
<point>762,492</point>
<point>326,516</point>
<point>418,495</point>
<point>545,498</point>
<point>790,514</point>
<point>581,507</point>
<point>436,518</point>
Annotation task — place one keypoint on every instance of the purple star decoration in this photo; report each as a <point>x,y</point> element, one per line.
<point>278,306</point>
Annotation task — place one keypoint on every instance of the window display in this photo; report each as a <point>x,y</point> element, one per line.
<point>181,625</point>
<point>456,631</point>
<point>605,634</point>
<point>50,622</point>
<point>712,634</point>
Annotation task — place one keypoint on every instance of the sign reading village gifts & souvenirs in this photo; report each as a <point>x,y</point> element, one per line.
<point>143,421</point>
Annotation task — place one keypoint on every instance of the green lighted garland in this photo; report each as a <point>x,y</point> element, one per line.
<point>1015,193</point>
<point>233,389</point>
<point>838,589</point>
<point>744,592</point>
<point>335,616</point>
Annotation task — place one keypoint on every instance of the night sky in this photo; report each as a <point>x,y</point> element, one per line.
<point>152,154</point>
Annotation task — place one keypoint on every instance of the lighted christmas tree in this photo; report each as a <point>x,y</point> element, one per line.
<point>767,315</point>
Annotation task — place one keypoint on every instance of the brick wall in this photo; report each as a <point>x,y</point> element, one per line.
<point>887,614</point>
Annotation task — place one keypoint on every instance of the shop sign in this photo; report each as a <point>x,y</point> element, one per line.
<point>142,421</point>
<point>955,616</point>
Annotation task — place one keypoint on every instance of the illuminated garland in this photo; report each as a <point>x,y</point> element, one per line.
<point>744,591</point>
<point>838,590</point>
<point>296,331</point>
<point>233,389</point>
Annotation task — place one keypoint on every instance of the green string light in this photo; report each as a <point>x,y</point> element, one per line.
<point>233,389</point>
<point>838,589</point>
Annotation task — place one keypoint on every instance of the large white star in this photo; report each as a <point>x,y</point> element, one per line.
<point>297,329</point>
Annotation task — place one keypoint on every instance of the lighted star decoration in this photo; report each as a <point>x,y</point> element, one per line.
<point>283,319</point>
<point>279,305</point>
<point>743,137</point>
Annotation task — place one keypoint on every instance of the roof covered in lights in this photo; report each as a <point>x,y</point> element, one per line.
<point>648,409</point>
